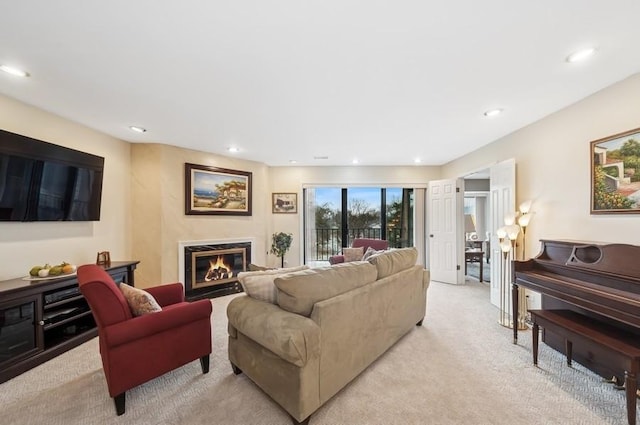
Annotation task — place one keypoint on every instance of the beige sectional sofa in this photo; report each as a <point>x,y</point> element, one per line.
<point>325,326</point>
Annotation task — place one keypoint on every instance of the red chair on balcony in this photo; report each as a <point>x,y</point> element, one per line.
<point>377,244</point>
<point>136,349</point>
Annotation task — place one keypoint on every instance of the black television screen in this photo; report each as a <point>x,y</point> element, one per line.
<point>40,181</point>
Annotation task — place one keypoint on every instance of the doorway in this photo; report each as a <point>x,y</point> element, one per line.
<point>501,199</point>
<point>477,236</point>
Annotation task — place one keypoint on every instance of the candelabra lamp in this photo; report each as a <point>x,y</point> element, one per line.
<point>505,297</point>
<point>508,236</point>
<point>523,222</point>
<point>502,234</point>
<point>512,233</point>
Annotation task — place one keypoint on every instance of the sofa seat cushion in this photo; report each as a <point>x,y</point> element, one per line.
<point>299,291</point>
<point>393,261</point>
<point>259,284</point>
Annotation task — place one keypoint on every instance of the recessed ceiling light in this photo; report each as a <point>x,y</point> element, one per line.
<point>14,71</point>
<point>417,160</point>
<point>320,157</point>
<point>581,55</point>
<point>355,161</point>
<point>493,112</point>
<point>138,129</point>
<point>233,149</point>
<point>293,161</point>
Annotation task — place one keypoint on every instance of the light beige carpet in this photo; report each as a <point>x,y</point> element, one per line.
<point>460,367</point>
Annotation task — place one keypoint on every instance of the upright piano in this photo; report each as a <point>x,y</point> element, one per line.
<point>599,280</point>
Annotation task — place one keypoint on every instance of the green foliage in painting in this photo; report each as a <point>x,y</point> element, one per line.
<point>605,198</point>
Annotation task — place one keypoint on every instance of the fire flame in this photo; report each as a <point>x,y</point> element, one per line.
<point>218,269</point>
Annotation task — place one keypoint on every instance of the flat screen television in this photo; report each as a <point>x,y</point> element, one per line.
<point>40,181</point>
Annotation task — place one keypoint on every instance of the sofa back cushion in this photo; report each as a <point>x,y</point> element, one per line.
<point>394,261</point>
<point>298,292</point>
<point>259,284</point>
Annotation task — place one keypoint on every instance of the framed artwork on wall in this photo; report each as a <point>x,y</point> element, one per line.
<point>615,174</point>
<point>216,191</point>
<point>284,203</point>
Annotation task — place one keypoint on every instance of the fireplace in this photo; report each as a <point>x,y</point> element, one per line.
<point>210,269</point>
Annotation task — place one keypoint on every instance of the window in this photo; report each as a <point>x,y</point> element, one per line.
<point>335,216</point>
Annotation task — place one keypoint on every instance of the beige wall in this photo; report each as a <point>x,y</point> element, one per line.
<point>553,166</point>
<point>23,245</point>
<point>158,216</point>
<point>159,222</point>
<point>292,179</point>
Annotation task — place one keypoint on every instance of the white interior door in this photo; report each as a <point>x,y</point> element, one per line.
<point>502,202</point>
<point>444,217</point>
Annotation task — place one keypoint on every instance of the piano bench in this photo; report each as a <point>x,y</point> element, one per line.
<point>600,337</point>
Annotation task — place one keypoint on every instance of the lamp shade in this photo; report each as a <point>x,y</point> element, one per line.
<point>505,246</point>
<point>502,232</point>
<point>524,219</point>
<point>510,219</point>
<point>469,225</point>
<point>525,207</point>
<point>512,231</point>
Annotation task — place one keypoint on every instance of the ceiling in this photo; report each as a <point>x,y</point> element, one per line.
<point>381,81</point>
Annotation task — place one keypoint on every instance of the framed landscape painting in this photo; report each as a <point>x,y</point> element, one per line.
<point>216,191</point>
<point>615,174</point>
<point>284,203</point>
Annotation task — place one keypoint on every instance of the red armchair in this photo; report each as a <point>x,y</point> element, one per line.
<point>377,244</point>
<point>135,350</point>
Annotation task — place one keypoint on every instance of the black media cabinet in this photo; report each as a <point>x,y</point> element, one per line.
<point>44,318</point>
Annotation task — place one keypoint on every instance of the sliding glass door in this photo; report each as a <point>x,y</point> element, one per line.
<point>322,223</point>
<point>334,216</point>
<point>399,217</point>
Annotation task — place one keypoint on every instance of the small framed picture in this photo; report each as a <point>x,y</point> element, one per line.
<point>284,203</point>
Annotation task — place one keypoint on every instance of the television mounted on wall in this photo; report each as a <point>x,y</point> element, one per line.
<point>40,181</point>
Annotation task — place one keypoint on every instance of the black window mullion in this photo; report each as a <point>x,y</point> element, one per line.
<point>345,218</point>
<point>383,213</point>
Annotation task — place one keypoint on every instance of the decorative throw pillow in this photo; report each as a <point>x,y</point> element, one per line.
<point>140,302</point>
<point>370,252</point>
<point>259,284</point>
<point>256,268</point>
<point>353,254</point>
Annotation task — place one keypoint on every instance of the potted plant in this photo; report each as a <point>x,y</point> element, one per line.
<point>280,244</point>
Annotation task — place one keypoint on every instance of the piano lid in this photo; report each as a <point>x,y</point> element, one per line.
<point>617,259</point>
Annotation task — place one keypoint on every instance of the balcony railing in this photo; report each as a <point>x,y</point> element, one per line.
<point>324,243</point>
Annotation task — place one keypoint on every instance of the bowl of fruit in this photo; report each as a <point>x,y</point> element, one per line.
<point>48,271</point>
